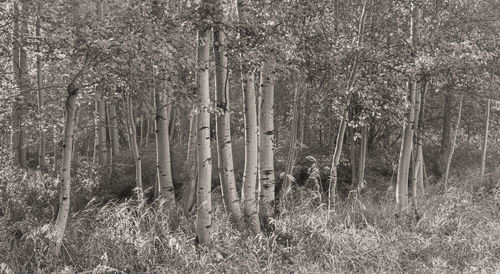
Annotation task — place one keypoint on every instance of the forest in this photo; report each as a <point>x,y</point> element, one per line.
<point>249,136</point>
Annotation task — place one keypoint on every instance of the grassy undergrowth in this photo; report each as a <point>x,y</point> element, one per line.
<point>457,230</point>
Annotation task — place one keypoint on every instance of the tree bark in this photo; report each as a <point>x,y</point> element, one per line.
<point>191,164</point>
<point>405,153</point>
<point>452,148</point>
<point>362,156</point>
<point>101,108</point>
<point>163,161</point>
<point>203,221</point>
<point>223,121</point>
<point>65,184</point>
<point>135,150</point>
<point>340,136</point>
<point>101,128</point>
<point>69,127</point>
<point>250,173</point>
<point>446,131</point>
<point>16,105</point>
<point>267,176</point>
<point>115,137</point>
<point>42,150</point>
<point>292,144</point>
<point>485,142</point>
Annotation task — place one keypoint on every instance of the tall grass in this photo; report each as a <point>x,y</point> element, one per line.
<point>454,231</point>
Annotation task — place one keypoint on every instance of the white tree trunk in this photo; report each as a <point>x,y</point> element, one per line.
<point>267,176</point>
<point>203,221</point>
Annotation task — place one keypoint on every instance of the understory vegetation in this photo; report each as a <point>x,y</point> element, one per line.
<point>453,230</point>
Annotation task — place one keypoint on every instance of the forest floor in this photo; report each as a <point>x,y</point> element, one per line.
<point>457,230</point>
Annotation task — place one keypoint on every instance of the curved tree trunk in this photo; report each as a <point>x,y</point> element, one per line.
<point>203,221</point>
<point>163,163</point>
<point>65,184</point>
<point>224,146</point>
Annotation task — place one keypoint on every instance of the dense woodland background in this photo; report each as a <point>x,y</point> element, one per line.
<point>249,136</point>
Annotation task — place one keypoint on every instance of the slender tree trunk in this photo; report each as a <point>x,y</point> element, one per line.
<point>250,173</point>
<point>340,137</point>
<point>446,132</point>
<point>267,177</point>
<point>16,105</point>
<point>306,122</point>
<point>24,85</point>
<point>414,161</point>
<point>203,221</point>
<point>163,165</point>
<point>42,150</point>
<point>148,130</point>
<point>54,167</point>
<point>101,128</point>
<point>226,169</point>
<point>115,137</point>
<point>101,108</point>
<point>407,141</point>
<point>69,126</point>
<point>292,145</point>
<point>135,150</point>
<point>65,184</point>
<point>485,142</point>
<point>405,153</point>
<point>189,191</point>
<point>362,156</point>
<point>418,187</point>
<point>109,146</point>
<point>332,188</point>
<point>453,142</point>
<point>353,150</point>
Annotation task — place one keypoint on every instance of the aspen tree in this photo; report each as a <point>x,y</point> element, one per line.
<point>42,150</point>
<point>16,105</point>
<point>266,160</point>
<point>191,164</point>
<point>224,146</point>
<point>408,128</point>
<point>163,162</point>
<point>453,142</point>
<point>251,147</point>
<point>135,149</point>
<point>113,122</point>
<point>485,141</point>
<point>292,146</point>
<point>345,117</point>
<point>69,127</point>
<point>101,107</point>
<point>189,191</point>
<point>203,221</point>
